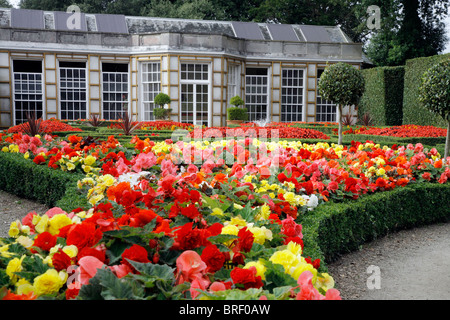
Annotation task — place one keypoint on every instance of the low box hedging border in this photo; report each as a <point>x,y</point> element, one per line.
<point>22,177</point>
<point>333,229</point>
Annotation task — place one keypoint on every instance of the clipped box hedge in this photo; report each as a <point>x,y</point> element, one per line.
<point>413,111</point>
<point>22,177</point>
<point>383,95</point>
<point>334,229</point>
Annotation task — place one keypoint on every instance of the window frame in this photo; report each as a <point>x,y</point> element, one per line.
<point>14,92</point>
<point>324,103</point>
<point>86,89</point>
<point>143,92</point>
<point>248,95</point>
<point>303,95</point>
<point>103,92</point>
<point>195,92</point>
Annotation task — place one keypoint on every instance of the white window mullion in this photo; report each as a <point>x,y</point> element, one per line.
<point>151,86</point>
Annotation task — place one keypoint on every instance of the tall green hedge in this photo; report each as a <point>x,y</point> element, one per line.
<point>383,95</point>
<point>413,112</point>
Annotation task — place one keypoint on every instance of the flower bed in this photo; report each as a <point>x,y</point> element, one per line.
<point>281,132</point>
<point>200,220</point>
<point>404,131</point>
<point>47,126</point>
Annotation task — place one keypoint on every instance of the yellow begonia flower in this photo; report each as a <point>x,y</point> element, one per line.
<point>260,268</point>
<point>14,229</point>
<point>264,212</point>
<point>14,265</point>
<point>57,222</point>
<point>49,282</point>
<point>86,169</point>
<point>286,258</point>
<point>26,155</point>
<point>42,225</point>
<point>5,149</point>
<point>261,234</point>
<point>70,166</point>
<point>302,267</point>
<point>24,287</point>
<point>217,212</point>
<point>71,251</point>
<point>324,282</point>
<point>89,160</point>
<point>4,251</point>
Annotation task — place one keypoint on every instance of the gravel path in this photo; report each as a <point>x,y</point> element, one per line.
<point>412,265</point>
<point>406,265</point>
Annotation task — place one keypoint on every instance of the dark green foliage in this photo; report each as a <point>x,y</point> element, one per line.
<point>161,113</point>
<point>236,101</point>
<point>236,113</point>
<point>25,179</point>
<point>383,95</point>
<point>413,111</point>
<point>162,99</point>
<point>337,228</point>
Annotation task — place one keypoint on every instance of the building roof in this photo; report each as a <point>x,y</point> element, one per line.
<point>120,24</point>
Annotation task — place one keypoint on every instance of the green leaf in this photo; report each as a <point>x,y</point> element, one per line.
<point>114,288</point>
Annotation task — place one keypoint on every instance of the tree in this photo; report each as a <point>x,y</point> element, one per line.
<point>410,29</point>
<point>5,4</point>
<point>344,85</point>
<point>434,94</point>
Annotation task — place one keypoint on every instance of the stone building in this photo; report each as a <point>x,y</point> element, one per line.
<point>72,65</point>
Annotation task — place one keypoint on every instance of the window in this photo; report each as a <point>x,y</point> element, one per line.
<point>72,82</point>
<point>115,90</point>
<point>151,84</point>
<point>194,93</point>
<point>325,110</point>
<point>233,82</point>
<point>256,93</point>
<point>28,96</point>
<point>292,95</point>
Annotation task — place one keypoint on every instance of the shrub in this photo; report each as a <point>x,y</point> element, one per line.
<point>236,113</point>
<point>343,84</point>
<point>337,228</point>
<point>434,94</point>
<point>25,179</point>
<point>162,99</point>
<point>413,111</point>
<point>383,95</point>
<point>236,101</point>
<point>161,113</point>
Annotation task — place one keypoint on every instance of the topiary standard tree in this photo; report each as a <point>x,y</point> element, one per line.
<point>161,99</point>
<point>344,85</point>
<point>434,94</point>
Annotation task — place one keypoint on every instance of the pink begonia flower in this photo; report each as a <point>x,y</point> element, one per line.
<point>26,138</point>
<point>41,149</point>
<point>217,286</point>
<point>120,270</point>
<point>190,266</point>
<point>121,167</point>
<point>143,161</point>
<point>198,283</point>
<point>48,138</point>
<point>192,168</point>
<point>167,167</point>
<point>308,292</point>
<point>23,147</point>
<point>88,268</point>
<point>56,210</point>
<point>36,141</point>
